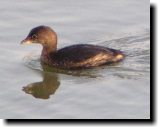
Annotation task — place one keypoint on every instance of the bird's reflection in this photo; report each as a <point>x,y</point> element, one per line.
<point>45,88</point>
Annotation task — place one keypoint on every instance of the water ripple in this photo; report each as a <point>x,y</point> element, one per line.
<point>135,66</point>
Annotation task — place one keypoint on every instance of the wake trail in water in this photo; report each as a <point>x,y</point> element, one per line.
<point>136,64</point>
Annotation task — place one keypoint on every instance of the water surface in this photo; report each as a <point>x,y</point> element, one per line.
<point>29,90</point>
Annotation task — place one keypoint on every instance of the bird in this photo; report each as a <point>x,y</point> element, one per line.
<point>77,56</point>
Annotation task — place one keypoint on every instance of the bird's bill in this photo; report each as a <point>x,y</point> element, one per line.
<point>26,41</point>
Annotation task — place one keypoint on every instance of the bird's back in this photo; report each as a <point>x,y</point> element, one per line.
<point>83,56</point>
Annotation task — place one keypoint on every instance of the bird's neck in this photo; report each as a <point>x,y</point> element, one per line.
<point>47,50</point>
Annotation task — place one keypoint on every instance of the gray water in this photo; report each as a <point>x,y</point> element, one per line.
<point>112,92</point>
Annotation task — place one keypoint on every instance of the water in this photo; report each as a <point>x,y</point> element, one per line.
<point>118,91</point>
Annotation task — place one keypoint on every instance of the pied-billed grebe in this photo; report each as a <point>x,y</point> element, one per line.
<point>71,57</point>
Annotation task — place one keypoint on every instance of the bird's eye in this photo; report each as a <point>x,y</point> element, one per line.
<point>34,36</point>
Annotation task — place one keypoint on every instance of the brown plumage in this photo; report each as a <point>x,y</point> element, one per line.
<point>71,57</point>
